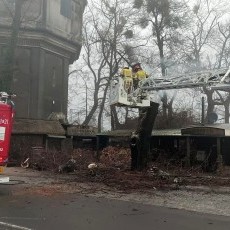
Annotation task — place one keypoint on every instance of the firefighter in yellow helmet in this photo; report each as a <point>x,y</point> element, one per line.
<point>138,74</point>
<point>126,74</point>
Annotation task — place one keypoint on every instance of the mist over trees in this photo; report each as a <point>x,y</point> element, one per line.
<point>167,37</point>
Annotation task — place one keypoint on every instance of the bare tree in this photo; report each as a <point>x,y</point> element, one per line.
<point>106,32</point>
<point>222,41</point>
<point>204,19</point>
<point>207,30</point>
<point>165,19</point>
<point>222,44</point>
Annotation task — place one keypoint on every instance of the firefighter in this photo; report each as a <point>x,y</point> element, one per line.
<point>138,74</point>
<point>126,74</point>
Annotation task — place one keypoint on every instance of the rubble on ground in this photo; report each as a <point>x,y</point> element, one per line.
<point>113,169</point>
<point>117,157</point>
<point>69,166</point>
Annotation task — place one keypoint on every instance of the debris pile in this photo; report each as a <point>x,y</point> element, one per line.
<point>113,169</point>
<point>154,171</point>
<point>80,160</point>
<point>116,157</point>
<point>68,167</point>
<point>83,158</point>
<point>50,160</point>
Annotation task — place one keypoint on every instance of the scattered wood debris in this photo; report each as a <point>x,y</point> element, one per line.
<point>113,169</point>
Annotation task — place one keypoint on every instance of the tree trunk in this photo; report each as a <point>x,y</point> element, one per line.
<point>102,109</point>
<point>114,118</point>
<point>164,100</point>
<point>211,105</point>
<point>140,139</point>
<point>226,113</point>
<point>93,108</point>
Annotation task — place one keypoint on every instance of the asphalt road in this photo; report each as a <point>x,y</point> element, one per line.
<point>79,212</point>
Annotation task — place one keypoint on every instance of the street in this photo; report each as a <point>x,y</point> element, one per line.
<point>83,212</point>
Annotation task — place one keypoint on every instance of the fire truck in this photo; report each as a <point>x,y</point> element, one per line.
<point>6,120</point>
<point>218,79</point>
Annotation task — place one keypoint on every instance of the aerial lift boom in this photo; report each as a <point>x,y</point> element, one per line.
<point>143,98</point>
<point>218,79</point>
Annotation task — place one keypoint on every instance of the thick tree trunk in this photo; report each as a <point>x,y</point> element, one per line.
<point>94,107</point>
<point>140,139</point>
<point>102,109</point>
<point>114,119</point>
<point>211,105</point>
<point>226,113</point>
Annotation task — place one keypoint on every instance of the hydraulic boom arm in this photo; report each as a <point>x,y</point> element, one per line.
<point>218,79</point>
<point>215,79</point>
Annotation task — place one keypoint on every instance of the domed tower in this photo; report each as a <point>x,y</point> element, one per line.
<point>48,40</point>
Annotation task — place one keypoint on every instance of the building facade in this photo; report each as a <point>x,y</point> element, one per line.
<point>48,41</point>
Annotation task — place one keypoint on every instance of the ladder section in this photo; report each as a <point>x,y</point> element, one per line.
<point>215,79</point>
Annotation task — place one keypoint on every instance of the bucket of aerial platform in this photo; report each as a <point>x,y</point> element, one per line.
<point>6,122</point>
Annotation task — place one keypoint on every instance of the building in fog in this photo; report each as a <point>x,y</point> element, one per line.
<point>49,40</point>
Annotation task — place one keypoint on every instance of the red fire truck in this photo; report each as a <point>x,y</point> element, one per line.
<point>6,121</point>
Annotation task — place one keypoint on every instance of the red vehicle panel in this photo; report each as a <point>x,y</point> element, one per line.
<point>6,121</point>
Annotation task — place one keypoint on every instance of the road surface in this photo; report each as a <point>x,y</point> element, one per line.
<point>83,212</point>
